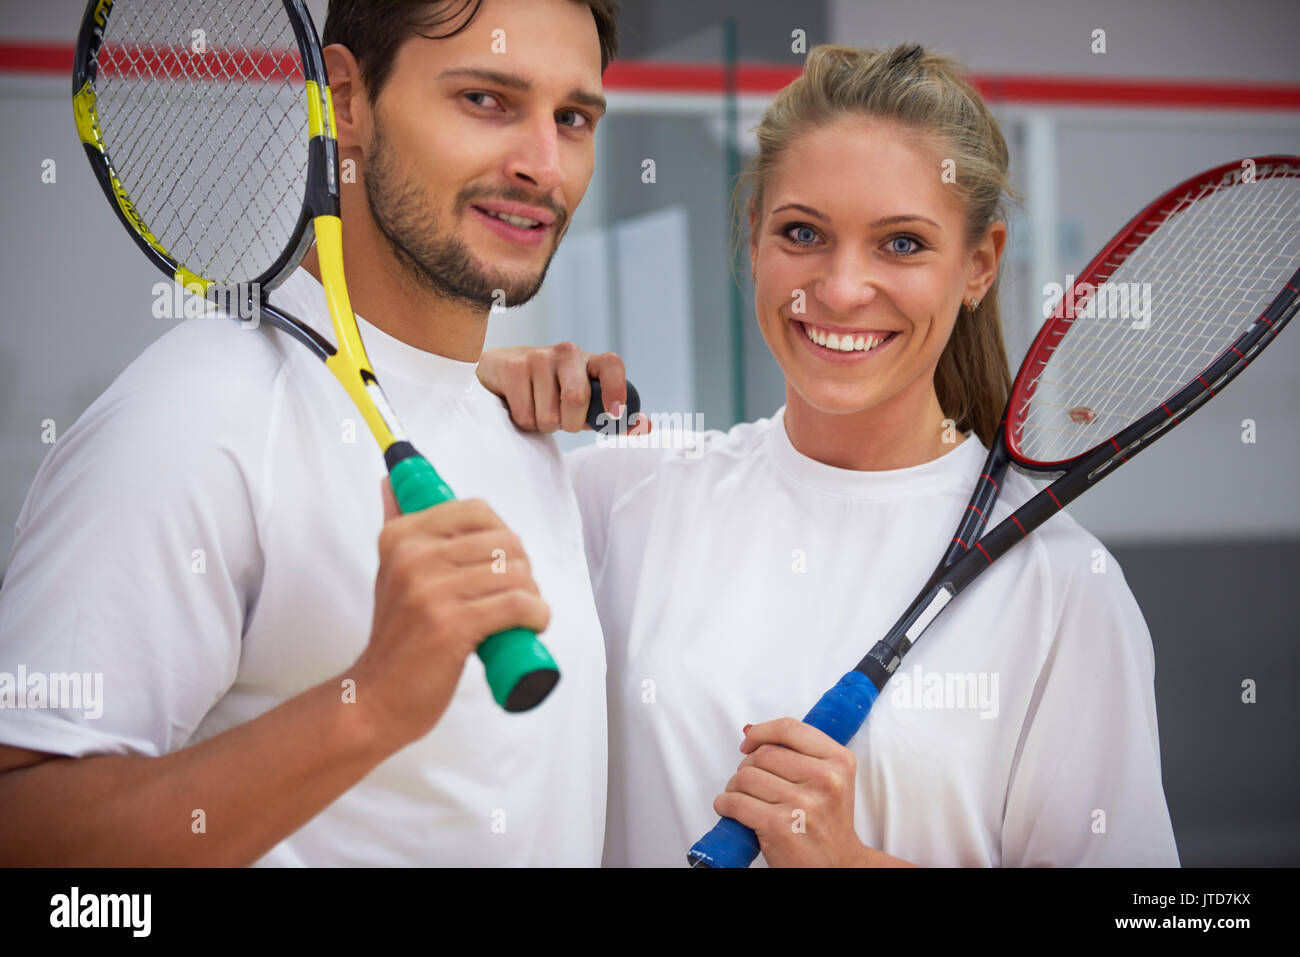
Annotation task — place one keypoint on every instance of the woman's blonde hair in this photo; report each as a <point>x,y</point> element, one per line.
<point>929,94</point>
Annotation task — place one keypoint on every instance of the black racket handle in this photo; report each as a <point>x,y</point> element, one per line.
<point>602,421</point>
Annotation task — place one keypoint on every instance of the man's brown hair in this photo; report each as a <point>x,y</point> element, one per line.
<point>374,29</point>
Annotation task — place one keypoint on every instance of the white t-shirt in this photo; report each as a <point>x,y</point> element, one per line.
<point>205,536</point>
<point>738,579</point>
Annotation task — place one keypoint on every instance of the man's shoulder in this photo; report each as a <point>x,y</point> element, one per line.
<point>198,355</point>
<point>206,376</point>
<point>201,391</point>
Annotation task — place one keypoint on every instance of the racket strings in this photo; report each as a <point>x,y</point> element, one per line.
<point>1169,356</point>
<point>202,110</point>
<point>1119,352</point>
<point>1209,268</point>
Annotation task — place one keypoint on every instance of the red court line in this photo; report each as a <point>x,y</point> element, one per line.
<point>174,62</point>
<point>1077,91</point>
<point>763,78</point>
<point>36,58</point>
<point>1140,92</point>
<point>651,77</point>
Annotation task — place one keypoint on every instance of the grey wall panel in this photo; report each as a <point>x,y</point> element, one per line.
<point>1222,613</point>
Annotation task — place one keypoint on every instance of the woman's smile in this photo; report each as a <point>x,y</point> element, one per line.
<point>838,344</point>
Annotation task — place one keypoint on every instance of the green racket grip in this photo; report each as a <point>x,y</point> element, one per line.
<point>520,671</point>
<point>417,485</point>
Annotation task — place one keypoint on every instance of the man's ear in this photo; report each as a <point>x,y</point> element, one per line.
<point>348,90</point>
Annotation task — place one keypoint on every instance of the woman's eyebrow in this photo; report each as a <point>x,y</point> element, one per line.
<point>885,221</point>
<point>904,218</point>
<point>803,209</point>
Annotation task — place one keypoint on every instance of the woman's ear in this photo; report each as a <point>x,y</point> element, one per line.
<point>753,245</point>
<point>348,90</point>
<point>984,261</point>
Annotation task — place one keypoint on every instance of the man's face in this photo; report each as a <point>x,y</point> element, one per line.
<point>496,121</point>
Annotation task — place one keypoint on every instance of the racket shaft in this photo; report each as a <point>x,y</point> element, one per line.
<point>839,714</point>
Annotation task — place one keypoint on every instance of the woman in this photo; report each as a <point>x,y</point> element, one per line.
<point>737,580</point>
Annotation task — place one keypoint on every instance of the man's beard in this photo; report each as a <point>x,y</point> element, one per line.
<point>442,263</point>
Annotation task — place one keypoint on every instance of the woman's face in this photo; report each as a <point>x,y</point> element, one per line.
<point>861,266</point>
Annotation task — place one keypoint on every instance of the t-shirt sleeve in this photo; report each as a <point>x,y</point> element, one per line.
<point>1085,788</point>
<point>603,475</point>
<point>136,562</point>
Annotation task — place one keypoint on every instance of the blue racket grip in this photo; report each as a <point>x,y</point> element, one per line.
<point>838,714</point>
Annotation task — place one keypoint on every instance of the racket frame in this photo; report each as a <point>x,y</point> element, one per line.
<point>970,552</point>
<point>521,672</point>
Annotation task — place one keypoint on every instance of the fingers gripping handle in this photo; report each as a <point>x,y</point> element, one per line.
<point>838,714</point>
<point>520,671</point>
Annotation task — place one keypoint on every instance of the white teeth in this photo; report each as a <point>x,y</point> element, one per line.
<point>847,343</point>
<point>513,220</point>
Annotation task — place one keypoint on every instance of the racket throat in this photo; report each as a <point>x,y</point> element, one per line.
<point>884,658</point>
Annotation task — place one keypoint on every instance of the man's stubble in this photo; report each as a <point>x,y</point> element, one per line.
<point>441,263</point>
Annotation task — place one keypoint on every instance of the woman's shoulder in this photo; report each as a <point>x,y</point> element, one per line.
<point>623,463</point>
<point>679,441</point>
<point>1061,538</point>
<point>1083,578</point>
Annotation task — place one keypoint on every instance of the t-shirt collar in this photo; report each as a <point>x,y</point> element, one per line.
<point>303,296</point>
<point>957,467</point>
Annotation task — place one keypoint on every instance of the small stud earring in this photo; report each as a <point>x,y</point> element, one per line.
<point>974,304</point>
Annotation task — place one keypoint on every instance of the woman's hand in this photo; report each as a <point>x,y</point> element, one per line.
<point>548,388</point>
<point>795,791</point>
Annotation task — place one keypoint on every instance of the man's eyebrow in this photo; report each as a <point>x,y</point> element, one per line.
<point>593,101</point>
<point>512,81</point>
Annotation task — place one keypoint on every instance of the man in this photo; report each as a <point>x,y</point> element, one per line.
<point>259,702</point>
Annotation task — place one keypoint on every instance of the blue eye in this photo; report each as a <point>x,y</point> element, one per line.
<point>801,234</point>
<point>916,246</point>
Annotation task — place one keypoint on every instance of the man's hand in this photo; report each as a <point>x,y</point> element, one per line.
<point>449,577</point>
<point>548,388</point>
